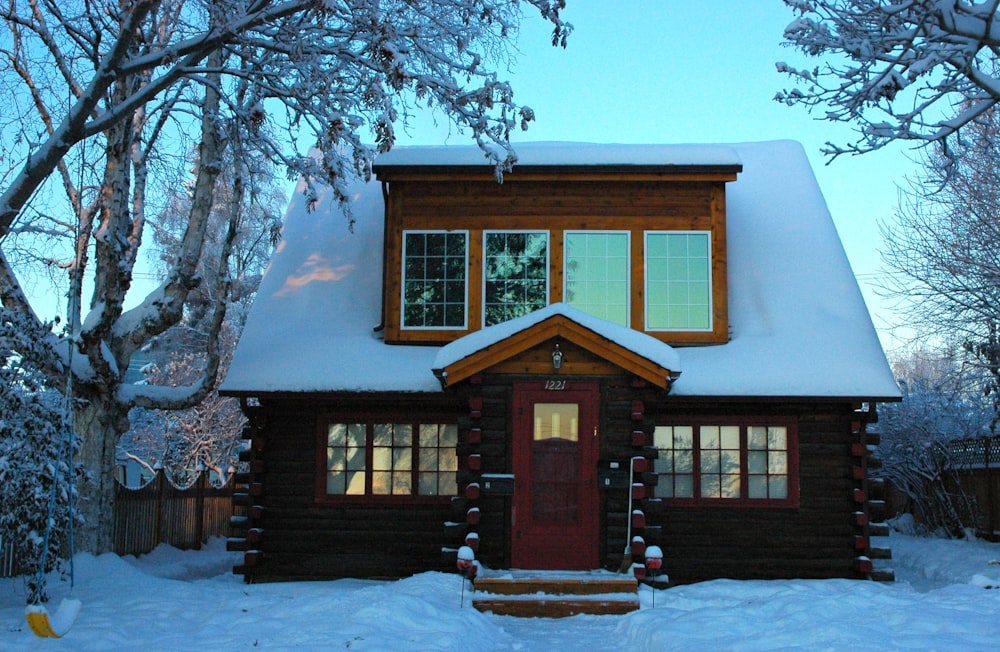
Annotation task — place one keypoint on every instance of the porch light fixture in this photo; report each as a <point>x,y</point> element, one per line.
<point>557,358</point>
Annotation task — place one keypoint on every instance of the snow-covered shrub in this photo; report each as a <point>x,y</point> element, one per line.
<point>33,453</point>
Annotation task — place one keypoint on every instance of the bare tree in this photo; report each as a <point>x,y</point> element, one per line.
<point>943,253</point>
<point>897,70</point>
<point>105,93</point>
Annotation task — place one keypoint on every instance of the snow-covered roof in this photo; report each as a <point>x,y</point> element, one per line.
<point>568,155</point>
<point>799,325</point>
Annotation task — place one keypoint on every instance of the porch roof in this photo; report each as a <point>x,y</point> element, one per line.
<point>631,350</point>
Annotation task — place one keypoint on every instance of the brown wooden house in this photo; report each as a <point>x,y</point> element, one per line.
<point>618,346</point>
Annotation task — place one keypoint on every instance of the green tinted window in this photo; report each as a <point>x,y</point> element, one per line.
<point>597,274</point>
<point>678,281</point>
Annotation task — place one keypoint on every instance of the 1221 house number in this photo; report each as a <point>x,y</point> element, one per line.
<point>556,385</point>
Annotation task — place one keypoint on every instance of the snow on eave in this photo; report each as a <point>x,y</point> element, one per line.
<point>638,343</point>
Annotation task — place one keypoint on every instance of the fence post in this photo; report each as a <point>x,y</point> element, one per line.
<point>200,507</point>
<point>160,481</point>
<point>991,498</point>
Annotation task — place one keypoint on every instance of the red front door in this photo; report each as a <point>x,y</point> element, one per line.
<point>555,518</point>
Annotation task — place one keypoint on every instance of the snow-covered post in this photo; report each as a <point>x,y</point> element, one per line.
<point>466,564</point>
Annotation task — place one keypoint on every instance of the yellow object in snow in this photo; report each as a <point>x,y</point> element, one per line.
<point>56,626</point>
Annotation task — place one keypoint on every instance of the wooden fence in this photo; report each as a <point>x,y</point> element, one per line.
<point>158,513</point>
<point>161,513</point>
<point>976,463</point>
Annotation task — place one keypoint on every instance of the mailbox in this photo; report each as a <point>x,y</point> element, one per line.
<point>497,484</point>
<point>613,475</point>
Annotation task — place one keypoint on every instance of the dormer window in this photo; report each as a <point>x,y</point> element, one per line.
<point>678,280</point>
<point>435,264</point>
<point>597,273</point>
<point>643,246</point>
<point>515,274</point>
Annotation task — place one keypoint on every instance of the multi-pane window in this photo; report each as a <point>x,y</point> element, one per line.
<point>678,280</point>
<point>675,463</point>
<point>438,463</point>
<point>391,459</point>
<point>724,462</point>
<point>660,281</point>
<point>346,459</point>
<point>435,265</point>
<point>720,461</point>
<point>767,462</point>
<point>597,274</point>
<point>515,274</point>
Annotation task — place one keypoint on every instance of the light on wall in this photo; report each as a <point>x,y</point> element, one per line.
<point>557,358</point>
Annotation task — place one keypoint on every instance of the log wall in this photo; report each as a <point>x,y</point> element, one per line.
<point>817,539</point>
<point>300,538</point>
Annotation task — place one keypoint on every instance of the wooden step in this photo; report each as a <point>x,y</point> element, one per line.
<point>554,607</point>
<point>555,594</point>
<point>883,575</point>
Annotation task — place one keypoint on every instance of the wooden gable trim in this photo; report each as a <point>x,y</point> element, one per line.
<point>551,328</point>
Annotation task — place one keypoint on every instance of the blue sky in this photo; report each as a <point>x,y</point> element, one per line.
<point>675,71</point>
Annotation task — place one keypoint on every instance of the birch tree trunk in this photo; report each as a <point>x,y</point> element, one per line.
<point>101,421</point>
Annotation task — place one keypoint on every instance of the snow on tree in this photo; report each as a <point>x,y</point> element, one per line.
<point>206,436</point>
<point>34,454</point>
<point>104,97</point>
<point>914,70</point>
<point>185,443</point>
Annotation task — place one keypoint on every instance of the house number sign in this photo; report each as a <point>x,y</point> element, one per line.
<point>555,385</point>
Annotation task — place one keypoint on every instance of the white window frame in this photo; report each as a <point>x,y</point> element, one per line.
<point>402,281</point>
<point>709,327</point>
<point>548,264</point>
<point>628,265</point>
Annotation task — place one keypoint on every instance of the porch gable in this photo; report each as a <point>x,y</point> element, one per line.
<point>558,340</point>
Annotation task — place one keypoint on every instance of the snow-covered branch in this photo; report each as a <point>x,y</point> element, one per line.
<point>895,70</point>
<point>162,104</point>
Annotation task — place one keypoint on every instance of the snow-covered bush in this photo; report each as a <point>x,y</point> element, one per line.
<point>33,454</point>
<point>942,402</point>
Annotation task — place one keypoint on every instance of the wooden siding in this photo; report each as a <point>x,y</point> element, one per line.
<point>530,352</point>
<point>555,205</point>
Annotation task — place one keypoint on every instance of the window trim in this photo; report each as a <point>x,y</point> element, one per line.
<point>323,423</point>
<point>790,424</point>
<point>402,282</point>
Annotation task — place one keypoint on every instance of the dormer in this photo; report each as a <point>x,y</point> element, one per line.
<point>635,235</point>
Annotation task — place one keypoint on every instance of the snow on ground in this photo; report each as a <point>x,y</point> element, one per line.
<point>175,600</point>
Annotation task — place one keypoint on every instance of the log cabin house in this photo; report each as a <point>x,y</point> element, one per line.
<point>618,346</point>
